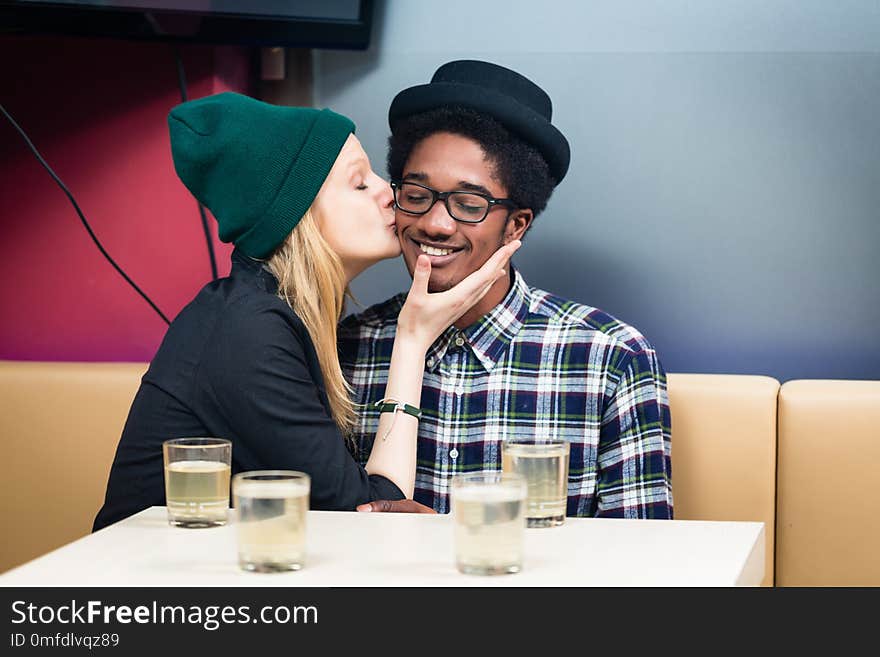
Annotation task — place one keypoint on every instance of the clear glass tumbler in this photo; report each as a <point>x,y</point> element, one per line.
<point>544,464</point>
<point>270,511</point>
<point>197,481</point>
<point>487,510</point>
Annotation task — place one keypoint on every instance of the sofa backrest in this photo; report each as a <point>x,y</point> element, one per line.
<point>60,424</point>
<point>724,450</point>
<point>828,514</point>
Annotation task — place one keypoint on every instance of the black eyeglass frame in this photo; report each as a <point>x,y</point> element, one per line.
<point>444,196</point>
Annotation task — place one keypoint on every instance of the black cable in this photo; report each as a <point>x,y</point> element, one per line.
<point>181,80</point>
<point>79,212</point>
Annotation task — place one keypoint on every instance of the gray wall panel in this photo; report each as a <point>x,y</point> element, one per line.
<point>723,199</point>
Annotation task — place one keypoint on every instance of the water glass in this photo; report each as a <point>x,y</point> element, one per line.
<point>544,464</point>
<point>270,514</point>
<point>197,481</point>
<point>487,510</point>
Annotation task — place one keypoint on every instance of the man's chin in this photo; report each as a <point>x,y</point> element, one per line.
<point>435,283</point>
<point>440,284</point>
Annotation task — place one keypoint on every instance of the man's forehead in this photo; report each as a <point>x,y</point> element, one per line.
<point>462,184</point>
<point>455,160</point>
<point>445,140</point>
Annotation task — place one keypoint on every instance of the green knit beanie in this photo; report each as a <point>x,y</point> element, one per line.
<point>256,166</point>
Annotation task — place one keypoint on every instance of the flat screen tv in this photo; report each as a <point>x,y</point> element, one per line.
<point>343,24</point>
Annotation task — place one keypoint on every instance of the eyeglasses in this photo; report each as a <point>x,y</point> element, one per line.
<point>466,207</point>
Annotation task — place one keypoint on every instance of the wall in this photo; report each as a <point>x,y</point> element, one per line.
<point>96,109</point>
<point>725,180</point>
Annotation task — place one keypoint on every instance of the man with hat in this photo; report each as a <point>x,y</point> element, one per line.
<point>473,158</point>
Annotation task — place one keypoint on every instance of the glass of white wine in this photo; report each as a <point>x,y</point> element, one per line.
<point>270,514</point>
<point>544,464</point>
<point>197,481</point>
<point>487,510</point>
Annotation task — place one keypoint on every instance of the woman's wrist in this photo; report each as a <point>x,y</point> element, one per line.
<point>412,341</point>
<point>406,369</point>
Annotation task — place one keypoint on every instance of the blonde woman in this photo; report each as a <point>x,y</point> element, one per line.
<point>253,357</point>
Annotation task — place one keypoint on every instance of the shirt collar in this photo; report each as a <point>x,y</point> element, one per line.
<point>488,337</point>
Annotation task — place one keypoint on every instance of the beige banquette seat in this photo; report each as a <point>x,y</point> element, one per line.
<point>60,423</point>
<point>828,512</point>
<point>724,450</point>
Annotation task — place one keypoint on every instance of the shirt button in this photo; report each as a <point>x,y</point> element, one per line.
<point>430,362</point>
<point>453,453</point>
<point>459,341</point>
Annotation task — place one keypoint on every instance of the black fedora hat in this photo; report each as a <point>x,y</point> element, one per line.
<point>516,102</point>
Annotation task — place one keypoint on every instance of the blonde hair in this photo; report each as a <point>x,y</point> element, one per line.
<point>312,282</point>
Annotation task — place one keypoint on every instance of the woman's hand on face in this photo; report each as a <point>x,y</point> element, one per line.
<point>426,315</point>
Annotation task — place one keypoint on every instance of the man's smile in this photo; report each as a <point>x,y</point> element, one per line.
<point>440,254</point>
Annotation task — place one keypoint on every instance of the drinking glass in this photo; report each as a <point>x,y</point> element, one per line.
<point>487,510</point>
<point>197,481</point>
<point>544,464</point>
<point>270,512</point>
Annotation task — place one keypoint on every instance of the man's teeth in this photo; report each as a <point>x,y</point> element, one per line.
<point>430,250</point>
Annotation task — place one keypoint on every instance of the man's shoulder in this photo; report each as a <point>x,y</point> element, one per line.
<point>595,323</point>
<point>372,321</point>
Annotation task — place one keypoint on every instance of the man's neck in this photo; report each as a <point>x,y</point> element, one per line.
<point>493,297</point>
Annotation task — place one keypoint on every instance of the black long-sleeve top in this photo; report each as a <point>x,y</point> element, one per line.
<point>237,363</point>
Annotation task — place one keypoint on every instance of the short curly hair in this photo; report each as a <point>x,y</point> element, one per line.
<point>518,166</point>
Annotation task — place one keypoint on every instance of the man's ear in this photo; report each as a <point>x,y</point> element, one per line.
<point>517,225</point>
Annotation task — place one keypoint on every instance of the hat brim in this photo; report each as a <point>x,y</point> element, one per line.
<point>521,120</point>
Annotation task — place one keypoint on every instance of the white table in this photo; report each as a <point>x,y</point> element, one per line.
<point>379,549</point>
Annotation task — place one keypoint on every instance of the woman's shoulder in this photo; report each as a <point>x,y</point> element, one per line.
<point>259,315</point>
<point>254,337</point>
<point>226,319</point>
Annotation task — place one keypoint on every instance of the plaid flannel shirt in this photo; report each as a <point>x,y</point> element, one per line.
<point>534,366</point>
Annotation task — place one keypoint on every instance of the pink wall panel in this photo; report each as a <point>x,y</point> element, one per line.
<point>96,109</point>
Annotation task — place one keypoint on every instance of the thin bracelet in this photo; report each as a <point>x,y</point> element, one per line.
<point>389,405</point>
